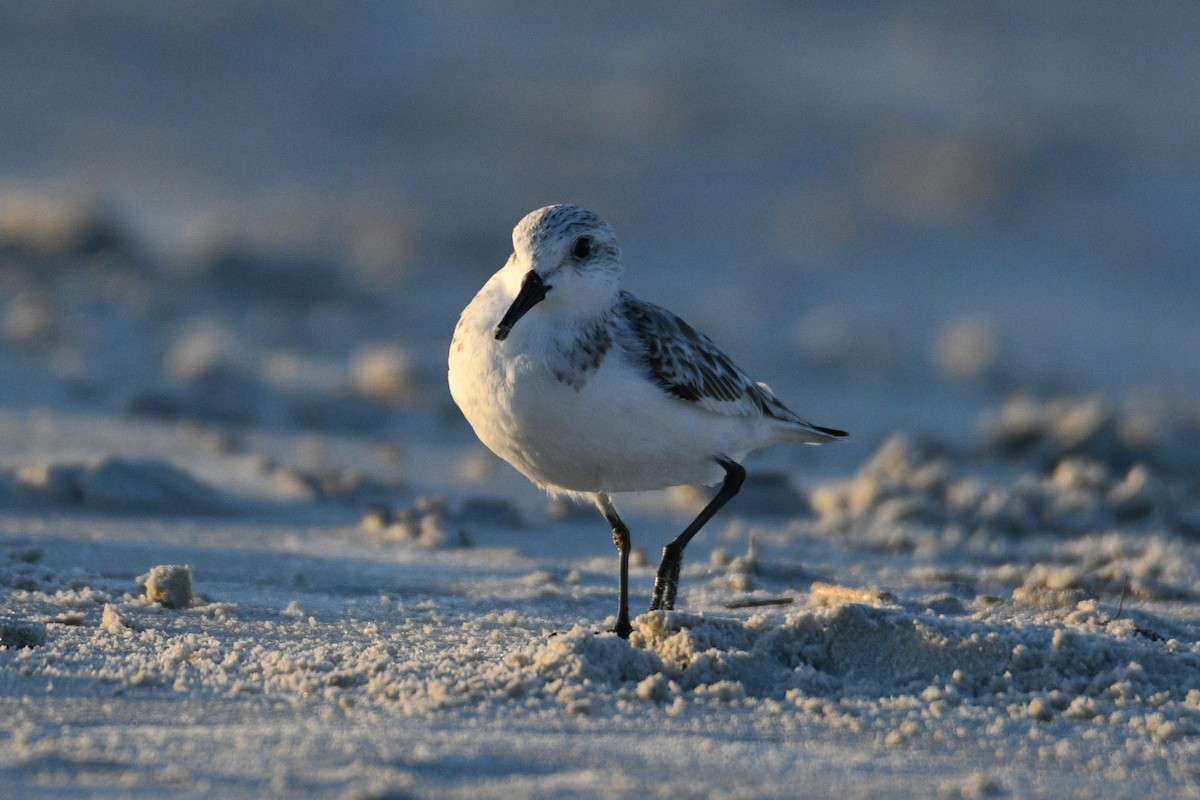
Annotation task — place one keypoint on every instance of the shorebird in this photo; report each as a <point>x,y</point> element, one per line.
<point>589,391</point>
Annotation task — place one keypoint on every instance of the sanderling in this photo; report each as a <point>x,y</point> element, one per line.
<point>589,391</point>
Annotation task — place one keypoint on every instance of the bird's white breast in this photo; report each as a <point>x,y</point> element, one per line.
<point>614,431</point>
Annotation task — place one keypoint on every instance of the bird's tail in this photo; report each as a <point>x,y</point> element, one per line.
<point>813,434</point>
<point>790,426</point>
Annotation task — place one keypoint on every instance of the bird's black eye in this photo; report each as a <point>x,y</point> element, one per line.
<point>582,247</point>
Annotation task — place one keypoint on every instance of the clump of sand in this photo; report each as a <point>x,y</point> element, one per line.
<point>169,585</point>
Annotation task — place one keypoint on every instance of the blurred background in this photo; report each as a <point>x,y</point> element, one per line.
<point>271,214</point>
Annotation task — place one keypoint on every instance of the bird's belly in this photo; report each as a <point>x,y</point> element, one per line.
<point>615,433</point>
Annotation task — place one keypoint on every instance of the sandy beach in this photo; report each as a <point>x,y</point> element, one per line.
<point>250,548</point>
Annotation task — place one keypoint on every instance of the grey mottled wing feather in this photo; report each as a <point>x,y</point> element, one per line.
<point>687,365</point>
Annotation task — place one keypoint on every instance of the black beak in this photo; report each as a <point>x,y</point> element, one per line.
<point>533,291</point>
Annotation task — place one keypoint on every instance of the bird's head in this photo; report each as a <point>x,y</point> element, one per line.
<point>566,260</point>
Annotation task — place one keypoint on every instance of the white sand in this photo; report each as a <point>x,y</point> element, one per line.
<point>248,547</point>
<point>989,629</point>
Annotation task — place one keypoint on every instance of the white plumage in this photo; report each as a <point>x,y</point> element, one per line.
<point>589,391</point>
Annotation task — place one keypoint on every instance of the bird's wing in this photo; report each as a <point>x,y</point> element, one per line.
<point>687,365</point>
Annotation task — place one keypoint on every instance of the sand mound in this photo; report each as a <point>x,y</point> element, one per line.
<point>902,485</point>
<point>115,484</point>
<point>863,651</point>
<point>881,669</point>
<point>1160,433</point>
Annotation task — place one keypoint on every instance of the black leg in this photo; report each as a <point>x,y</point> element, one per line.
<point>666,583</point>
<point>621,540</point>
